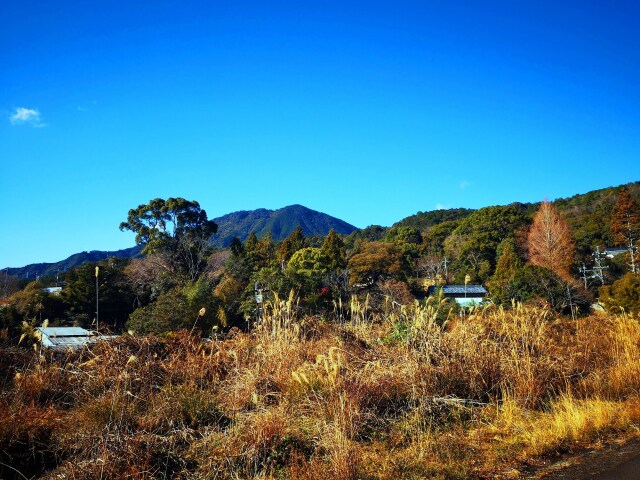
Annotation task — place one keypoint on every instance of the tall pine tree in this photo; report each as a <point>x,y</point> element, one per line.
<point>333,249</point>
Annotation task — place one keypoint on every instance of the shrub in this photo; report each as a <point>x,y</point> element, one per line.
<point>623,294</point>
<point>178,308</point>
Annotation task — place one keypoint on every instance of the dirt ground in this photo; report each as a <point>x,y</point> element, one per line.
<point>617,459</point>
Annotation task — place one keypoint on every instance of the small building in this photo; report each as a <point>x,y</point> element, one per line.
<point>611,252</point>
<point>64,338</point>
<point>464,295</point>
<point>53,290</point>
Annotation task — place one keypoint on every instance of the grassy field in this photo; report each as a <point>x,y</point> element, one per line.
<point>385,395</point>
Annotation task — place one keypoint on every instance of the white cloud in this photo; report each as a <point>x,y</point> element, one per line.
<point>441,206</point>
<point>464,184</point>
<point>26,116</point>
<point>86,107</point>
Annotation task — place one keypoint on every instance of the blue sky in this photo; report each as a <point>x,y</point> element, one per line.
<point>367,111</point>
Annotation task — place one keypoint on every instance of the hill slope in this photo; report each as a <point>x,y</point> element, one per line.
<point>280,223</point>
<point>44,269</point>
<point>588,215</point>
<point>423,220</point>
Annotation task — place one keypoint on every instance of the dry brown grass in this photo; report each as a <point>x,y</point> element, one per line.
<point>385,395</point>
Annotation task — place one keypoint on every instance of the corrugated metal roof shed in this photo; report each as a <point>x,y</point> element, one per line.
<point>611,252</point>
<point>62,338</point>
<point>456,290</point>
<point>461,289</point>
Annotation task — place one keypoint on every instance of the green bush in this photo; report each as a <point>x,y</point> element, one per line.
<point>178,308</point>
<point>533,282</point>
<point>622,294</point>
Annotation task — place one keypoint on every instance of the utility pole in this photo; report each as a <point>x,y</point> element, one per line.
<point>598,268</point>
<point>97,315</point>
<point>6,273</point>
<point>467,279</point>
<point>445,263</point>
<point>258,292</point>
<point>633,251</point>
<point>573,317</point>
<point>584,270</point>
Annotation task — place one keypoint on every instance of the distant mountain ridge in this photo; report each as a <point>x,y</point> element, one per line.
<point>45,269</point>
<point>280,223</point>
<point>587,213</point>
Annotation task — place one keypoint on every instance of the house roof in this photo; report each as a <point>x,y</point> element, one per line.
<point>455,290</point>
<point>52,289</point>
<point>61,338</point>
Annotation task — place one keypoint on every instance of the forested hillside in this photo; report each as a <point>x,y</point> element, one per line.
<point>425,220</point>
<point>589,216</point>
<point>278,223</point>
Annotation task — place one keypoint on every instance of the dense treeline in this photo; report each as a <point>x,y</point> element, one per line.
<point>520,252</point>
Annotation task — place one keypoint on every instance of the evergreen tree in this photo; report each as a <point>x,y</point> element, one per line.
<point>333,249</point>
<point>176,229</point>
<point>507,268</point>
<point>236,247</point>
<point>472,245</point>
<point>290,245</point>
<point>508,261</point>
<point>251,242</point>
<point>265,251</point>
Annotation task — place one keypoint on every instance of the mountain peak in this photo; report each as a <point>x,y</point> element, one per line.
<point>280,223</point>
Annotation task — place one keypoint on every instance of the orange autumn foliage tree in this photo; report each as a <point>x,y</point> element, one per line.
<point>549,241</point>
<point>625,225</point>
